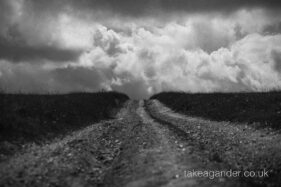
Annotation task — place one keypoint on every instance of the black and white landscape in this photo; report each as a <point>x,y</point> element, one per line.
<point>140,93</point>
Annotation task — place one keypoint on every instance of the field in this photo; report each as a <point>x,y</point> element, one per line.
<point>108,140</point>
<point>40,118</point>
<point>259,109</point>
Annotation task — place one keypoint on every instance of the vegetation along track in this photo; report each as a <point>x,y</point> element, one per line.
<point>238,147</point>
<point>146,144</point>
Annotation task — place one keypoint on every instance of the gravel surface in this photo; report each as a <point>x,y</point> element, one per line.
<point>238,146</point>
<point>79,159</point>
<point>145,145</point>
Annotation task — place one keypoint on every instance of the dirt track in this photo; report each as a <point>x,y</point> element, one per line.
<point>134,149</point>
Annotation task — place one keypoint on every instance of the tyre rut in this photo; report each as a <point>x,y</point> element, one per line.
<point>158,154</point>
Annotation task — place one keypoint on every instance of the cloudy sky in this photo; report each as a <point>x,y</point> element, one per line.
<point>140,47</point>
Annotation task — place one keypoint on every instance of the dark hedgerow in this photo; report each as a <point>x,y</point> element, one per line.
<point>262,108</point>
<point>29,117</point>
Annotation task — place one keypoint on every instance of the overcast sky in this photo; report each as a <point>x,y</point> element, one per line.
<point>140,47</point>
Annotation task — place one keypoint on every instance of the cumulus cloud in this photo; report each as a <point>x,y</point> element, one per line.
<point>64,46</point>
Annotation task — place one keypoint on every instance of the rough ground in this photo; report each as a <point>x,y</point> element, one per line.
<point>146,145</point>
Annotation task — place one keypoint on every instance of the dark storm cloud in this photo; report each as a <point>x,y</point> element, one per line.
<point>78,78</point>
<point>17,52</point>
<point>4,11</point>
<point>138,8</point>
<point>30,78</point>
<point>277,60</point>
<point>273,29</point>
<point>147,7</point>
<point>214,5</point>
<point>139,47</point>
<point>42,10</point>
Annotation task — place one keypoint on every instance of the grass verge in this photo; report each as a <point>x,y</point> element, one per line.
<point>252,108</point>
<point>39,118</point>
